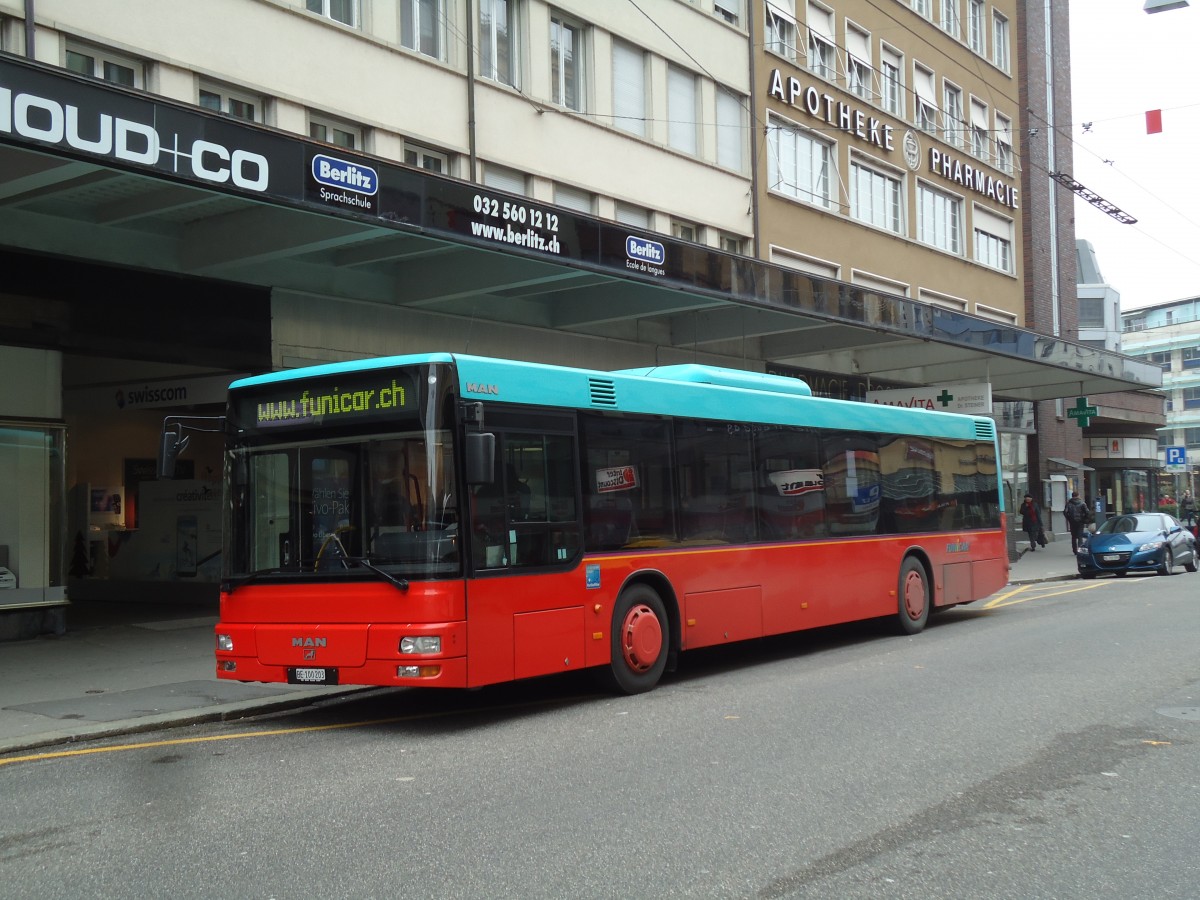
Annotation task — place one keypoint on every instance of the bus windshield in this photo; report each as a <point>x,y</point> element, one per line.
<point>315,507</point>
<point>340,497</point>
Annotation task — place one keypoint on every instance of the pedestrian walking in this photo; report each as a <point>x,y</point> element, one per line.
<point>1187,508</point>
<point>1031,522</point>
<point>1078,515</point>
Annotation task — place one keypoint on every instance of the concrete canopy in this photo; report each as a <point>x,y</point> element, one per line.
<point>422,241</point>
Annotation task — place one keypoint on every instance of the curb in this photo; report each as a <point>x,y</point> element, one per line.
<point>219,713</point>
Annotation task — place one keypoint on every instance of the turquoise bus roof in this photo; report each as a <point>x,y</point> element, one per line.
<point>696,391</point>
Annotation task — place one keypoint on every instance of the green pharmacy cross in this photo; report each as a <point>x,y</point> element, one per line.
<point>1082,412</point>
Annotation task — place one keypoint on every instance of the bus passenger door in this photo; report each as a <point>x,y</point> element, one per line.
<point>524,617</point>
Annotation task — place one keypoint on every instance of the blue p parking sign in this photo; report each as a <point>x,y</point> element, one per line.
<point>1177,456</point>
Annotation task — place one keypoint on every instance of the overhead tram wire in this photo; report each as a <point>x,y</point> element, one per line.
<point>1067,132</point>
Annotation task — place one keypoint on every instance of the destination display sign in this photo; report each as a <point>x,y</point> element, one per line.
<point>354,397</point>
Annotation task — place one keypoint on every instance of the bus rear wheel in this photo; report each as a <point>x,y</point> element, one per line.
<point>914,597</point>
<point>640,640</point>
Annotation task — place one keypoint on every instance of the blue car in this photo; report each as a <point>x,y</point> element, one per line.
<point>1137,543</point>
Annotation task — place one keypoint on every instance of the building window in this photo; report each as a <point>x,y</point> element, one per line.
<point>729,10</point>
<point>876,197</point>
<point>993,239</point>
<point>344,11</point>
<point>975,36</point>
<point>332,132</point>
<point>422,158</point>
<point>995,315</point>
<point>1190,357</point>
<point>422,27</point>
<point>781,28</point>
<point>1091,312</point>
<point>993,250</point>
<point>499,50</point>
<point>923,8</point>
<point>105,66</point>
<point>566,62</point>
<point>628,214</point>
<point>629,88</point>
<point>939,219</point>
<point>925,114</point>
<point>1191,398</point>
<point>1004,151</point>
<point>1191,437</point>
<point>858,62</point>
<point>822,55</point>
<point>687,231</point>
<point>503,179</point>
<point>799,164</point>
<point>682,124</point>
<point>891,84</point>
<point>574,198</point>
<point>1161,358</point>
<point>979,131</point>
<point>234,104</point>
<point>952,113</point>
<point>732,243</point>
<point>731,129</point>
<point>951,21</point>
<point>1000,50</point>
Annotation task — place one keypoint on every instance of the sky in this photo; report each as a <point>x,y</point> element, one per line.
<point>1125,62</point>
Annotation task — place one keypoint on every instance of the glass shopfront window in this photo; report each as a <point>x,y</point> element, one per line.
<point>32,508</point>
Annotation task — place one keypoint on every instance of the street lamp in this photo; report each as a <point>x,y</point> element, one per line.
<point>1157,6</point>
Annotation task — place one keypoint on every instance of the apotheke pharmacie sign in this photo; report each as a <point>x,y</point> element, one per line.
<point>972,178</point>
<point>832,111</point>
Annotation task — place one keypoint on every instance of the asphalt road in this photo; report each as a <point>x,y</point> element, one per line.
<point>1042,744</point>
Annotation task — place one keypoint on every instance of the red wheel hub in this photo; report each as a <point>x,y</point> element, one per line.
<point>914,595</point>
<point>641,638</point>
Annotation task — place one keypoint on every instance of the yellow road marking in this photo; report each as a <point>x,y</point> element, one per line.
<point>1006,599</point>
<point>146,745</point>
<point>272,732</point>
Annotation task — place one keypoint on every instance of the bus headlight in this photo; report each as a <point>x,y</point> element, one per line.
<point>225,642</point>
<point>425,643</point>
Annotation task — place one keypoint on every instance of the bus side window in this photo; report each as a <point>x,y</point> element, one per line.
<point>628,488</point>
<point>527,516</point>
<point>791,488</point>
<point>716,487</point>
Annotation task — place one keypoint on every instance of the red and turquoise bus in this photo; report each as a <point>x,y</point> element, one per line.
<point>445,520</point>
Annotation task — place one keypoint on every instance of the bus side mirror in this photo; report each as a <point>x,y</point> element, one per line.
<point>481,457</point>
<point>171,445</point>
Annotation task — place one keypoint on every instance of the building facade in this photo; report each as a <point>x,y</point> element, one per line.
<point>1168,335</point>
<point>837,189</point>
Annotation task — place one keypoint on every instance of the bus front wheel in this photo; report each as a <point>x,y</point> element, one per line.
<point>914,598</point>
<point>640,640</point>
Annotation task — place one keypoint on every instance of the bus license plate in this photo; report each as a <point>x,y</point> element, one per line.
<point>313,676</point>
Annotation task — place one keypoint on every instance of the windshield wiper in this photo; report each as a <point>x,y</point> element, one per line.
<point>229,585</point>
<point>401,583</point>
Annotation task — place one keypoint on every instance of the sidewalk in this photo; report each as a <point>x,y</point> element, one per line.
<point>123,668</point>
<point>1054,562</point>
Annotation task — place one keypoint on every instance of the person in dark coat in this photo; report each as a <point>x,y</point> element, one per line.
<point>1077,515</point>
<point>1031,520</point>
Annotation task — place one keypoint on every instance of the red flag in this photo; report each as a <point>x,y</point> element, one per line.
<point>1153,121</point>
